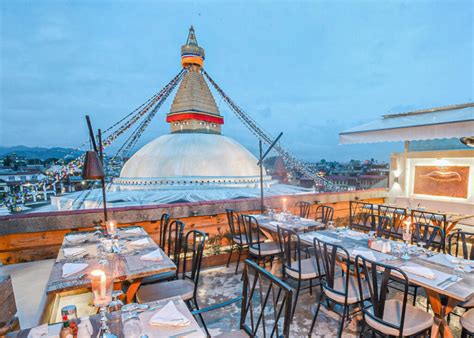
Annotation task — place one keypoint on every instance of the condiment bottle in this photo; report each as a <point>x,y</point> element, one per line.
<point>66,331</point>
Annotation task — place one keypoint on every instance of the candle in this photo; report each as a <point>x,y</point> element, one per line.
<point>111,227</point>
<point>284,204</point>
<point>99,286</point>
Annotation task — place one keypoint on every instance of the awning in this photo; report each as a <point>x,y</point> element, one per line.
<point>435,123</point>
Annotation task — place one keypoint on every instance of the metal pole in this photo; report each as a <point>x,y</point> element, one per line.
<point>260,163</point>
<point>102,181</point>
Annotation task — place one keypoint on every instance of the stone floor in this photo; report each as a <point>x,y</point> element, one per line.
<point>220,284</point>
<point>217,285</point>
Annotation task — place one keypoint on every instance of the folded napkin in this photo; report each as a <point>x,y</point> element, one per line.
<point>466,264</point>
<point>365,253</point>
<point>277,223</point>
<point>70,269</point>
<point>134,231</point>
<point>169,315</point>
<point>354,233</point>
<point>327,238</point>
<point>76,238</point>
<point>39,331</point>
<point>140,242</point>
<point>307,220</point>
<point>71,252</point>
<point>152,256</point>
<point>419,270</point>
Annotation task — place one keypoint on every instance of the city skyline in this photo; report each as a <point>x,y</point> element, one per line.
<point>309,70</point>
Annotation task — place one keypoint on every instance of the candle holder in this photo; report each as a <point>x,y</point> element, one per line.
<point>406,238</point>
<point>112,231</point>
<point>102,285</point>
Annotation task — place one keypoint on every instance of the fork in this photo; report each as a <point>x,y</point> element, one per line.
<point>448,280</point>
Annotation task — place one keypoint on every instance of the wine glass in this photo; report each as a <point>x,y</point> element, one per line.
<point>131,321</point>
<point>116,303</point>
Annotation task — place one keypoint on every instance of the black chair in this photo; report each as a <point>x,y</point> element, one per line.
<point>324,214</point>
<point>304,208</point>
<point>397,216</point>
<point>185,286</point>
<point>429,218</point>
<point>171,245</point>
<point>164,222</point>
<point>338,284</point>
<point>461,244</point>
<point>295,266</point>
<point>238,233</point>
<point>383,226</point>
<point>467,324</point>
<point>431,235</point>
<point>360,216</point>
<point>266,303</point>
<point>388,317</point>
<point>261,249</point>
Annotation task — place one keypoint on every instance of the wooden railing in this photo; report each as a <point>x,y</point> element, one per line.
<point>30,237</point>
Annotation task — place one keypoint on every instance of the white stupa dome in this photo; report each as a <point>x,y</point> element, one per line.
<point>184,159</point>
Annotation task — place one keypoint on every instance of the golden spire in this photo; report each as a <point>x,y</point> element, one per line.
<point>191,53</point>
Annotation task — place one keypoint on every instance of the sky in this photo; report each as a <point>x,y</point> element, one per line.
<point>308,68</point>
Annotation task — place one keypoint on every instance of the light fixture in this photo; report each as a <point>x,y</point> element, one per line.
<point>395,179</point>
<point>468,140</point>
<point>92,169</point>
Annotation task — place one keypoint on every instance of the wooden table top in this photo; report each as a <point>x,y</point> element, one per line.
<point>301,225</point>
<point>127,265</point>
<point>191,330</point>
<point>461,290</point>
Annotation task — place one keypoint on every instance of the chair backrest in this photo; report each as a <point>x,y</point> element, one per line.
<point>397,216</point>
<point>290,246</point>
<point>164,221</point>
<point>324,214</point>
<point>429,218</point>
<point>431,235</point>
<point>266,303</point>
<point>172,241</point>
<point>377,276</point>
<point>360,215</point>
<point>193,250</point>
<point>254,235</point>
<point>237,230</point>
<point>329,257</point>
<point>384,226</point>
<point>461,244</point>
<point>304,208</point>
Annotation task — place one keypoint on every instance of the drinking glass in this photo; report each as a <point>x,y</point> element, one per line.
<point>116,303</point>
<point>331,225</point>
<point>131,321</point>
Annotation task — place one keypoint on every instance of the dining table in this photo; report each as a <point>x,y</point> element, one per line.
<point>444,288</point>
<point>80,253</point>
<point>149,327</point>
<point>299,224</point>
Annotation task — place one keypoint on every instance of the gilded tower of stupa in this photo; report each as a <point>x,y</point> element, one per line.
<point>194,108</point>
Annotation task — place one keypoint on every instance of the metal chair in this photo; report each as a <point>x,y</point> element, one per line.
<point>461,244</point>
<point>324,214</point>
<point>384,226</point>
<point>266,303</point>
<point>429,218</point>
<point>337,285</point>
<point>187,282</point>
<point>467,324</point>
<point>388,317</point>
<point>164,222</point>
<point>261,249</point>
<point>304,208</point>
<point>171,245</point>
<point>360,216</point>
<point>294,266</point>
<point>431,235</point>
<point>397,218</point>
<point>238,233</point>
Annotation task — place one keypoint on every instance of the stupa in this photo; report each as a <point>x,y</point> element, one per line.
<point>194,153</point>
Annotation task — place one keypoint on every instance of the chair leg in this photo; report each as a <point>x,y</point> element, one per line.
<point>230,255</point>
<point>310,286</point>
<point>315,315</point>
<point>201,317</point>
<point>362,329</point>
<point>238,260</point>
<point>296,299</point>
<point>341,326</point>
<point>414,295</point>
